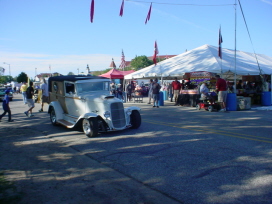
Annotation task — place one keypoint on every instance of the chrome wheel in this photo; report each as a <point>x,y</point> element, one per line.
<point>90,127</point>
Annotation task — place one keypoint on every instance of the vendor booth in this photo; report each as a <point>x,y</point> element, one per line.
<point>205,59</point>
<point>189,94</point>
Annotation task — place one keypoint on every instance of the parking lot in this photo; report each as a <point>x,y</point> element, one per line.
<point>178,155</point>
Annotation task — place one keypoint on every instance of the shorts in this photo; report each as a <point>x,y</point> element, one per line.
<point>45,99</point>
<point>222,96</point>
<point>30,103</point>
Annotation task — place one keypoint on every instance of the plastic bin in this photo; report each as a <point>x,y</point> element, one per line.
<point>165,95</point>
<point>161,100</point>
<point>266,98</point>
<point>231,102</point>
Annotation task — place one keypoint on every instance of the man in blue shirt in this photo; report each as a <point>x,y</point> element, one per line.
<point>6,107</point>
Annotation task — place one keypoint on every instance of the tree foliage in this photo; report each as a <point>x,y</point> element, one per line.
<point>71,73</point>
<point>140,62</point>
<point>22,77</point>
<point>5,79</point>
<point>97,73</point>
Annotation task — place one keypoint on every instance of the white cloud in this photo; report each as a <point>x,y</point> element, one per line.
<point>267,2</point>
<point>27,62</point>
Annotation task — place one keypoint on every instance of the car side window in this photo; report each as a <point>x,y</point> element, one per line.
<point>69,88</point>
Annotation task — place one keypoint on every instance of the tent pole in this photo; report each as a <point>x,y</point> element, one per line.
<point>235,47</point>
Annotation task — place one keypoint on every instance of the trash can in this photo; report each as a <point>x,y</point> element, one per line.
<point>161,100</point>
<point>165,95</point>
<point>231,102</point>
<point>266,98</point>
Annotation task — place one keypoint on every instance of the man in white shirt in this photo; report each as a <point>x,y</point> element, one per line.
<point>204,90</point>
<point>45,94</point>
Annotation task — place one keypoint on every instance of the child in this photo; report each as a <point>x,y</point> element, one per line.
<point>6,107</point>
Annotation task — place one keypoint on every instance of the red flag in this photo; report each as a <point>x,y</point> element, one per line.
<point>123,62</point>
<point>122,9</point>
<point>219,42</point>
<point>149,13</point>
<point>92,11</point>
<point>156,51</point>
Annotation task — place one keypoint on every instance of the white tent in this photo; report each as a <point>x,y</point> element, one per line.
<point>205,58</point>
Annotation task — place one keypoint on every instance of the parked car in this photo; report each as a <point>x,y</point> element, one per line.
<point>2,93</point>
<point>85,101</point>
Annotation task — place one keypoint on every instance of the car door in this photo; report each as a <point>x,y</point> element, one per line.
<point>75,104</point>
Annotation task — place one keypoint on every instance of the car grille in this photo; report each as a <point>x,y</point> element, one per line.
<point>118,115</point>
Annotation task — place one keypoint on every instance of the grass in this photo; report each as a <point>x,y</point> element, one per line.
<point>8,191</point>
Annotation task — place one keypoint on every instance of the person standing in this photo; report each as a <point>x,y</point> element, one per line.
<point>113,89</point>
<point>221,88</point>
<point>204,91</point>
<point>45,94</point>
<point>170,92</point>
<point>129,91</point>
<point>6,107</point>
<point>29,99</point>
<point>119,91</point>
<point>150,92</point>
<point>23,91</point>
<point>176,86</point>
<point>156,93</point>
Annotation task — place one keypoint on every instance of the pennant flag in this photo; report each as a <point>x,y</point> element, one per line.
<point>122,9</point>
<point>156,51</point>
<point>123,62</point>
<point>149,13</point>
<point>92,11</point>
<point>219,42</point>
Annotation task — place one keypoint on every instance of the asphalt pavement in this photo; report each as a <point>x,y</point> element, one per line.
<point>178,155</point>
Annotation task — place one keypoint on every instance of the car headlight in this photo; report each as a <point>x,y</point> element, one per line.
<point>107,114</point>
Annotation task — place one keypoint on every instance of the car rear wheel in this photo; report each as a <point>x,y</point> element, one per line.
<point>53,116</point>
<point>90,127</point>
<point>135,119</point>
<point>198,107</point>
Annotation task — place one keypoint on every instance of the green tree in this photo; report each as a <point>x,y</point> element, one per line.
<point>140,62</point>
<point>5,79</point>
<point>97,73</point>
<point>71,73</point>
<point>22,77</point>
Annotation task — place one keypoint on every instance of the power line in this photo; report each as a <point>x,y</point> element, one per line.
<point>180,4</point>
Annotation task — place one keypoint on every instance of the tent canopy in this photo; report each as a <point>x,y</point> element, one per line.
<point>116,74</point>
<point>205,58</point>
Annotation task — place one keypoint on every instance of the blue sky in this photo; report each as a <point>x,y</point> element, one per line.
<point>39,33</point>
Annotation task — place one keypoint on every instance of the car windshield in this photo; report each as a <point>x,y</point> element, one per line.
<point>93,86</point>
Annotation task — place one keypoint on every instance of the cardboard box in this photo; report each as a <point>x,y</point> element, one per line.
<point>244,103</point>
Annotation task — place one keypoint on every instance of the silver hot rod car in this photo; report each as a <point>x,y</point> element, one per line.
<point>85,101</point>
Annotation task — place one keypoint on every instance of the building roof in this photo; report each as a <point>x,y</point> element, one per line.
<point>112,64</point>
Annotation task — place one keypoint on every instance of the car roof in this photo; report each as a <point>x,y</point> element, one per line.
<point>72,78</point>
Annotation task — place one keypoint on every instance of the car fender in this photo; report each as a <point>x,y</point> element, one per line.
<point>128,112</point>
<point>88,115</point>
<point>58,109</point>
<point>132,108</point>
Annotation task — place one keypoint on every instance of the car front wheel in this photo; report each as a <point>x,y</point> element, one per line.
<point>90,127</point>
<point>53,116</point>
<point>135,119</point>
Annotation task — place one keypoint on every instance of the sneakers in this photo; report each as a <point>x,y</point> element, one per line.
<point>41,110</point>
<point>26,113</point>
<point>154,106</point>
<point>157,106</point>
<point>223,110</point>
<point>148,103</point>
